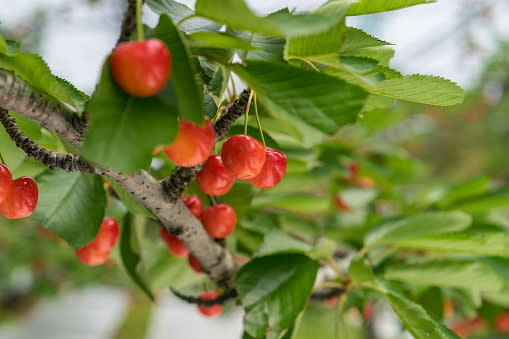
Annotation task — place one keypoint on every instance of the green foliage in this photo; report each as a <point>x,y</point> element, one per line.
<point>376,6</point>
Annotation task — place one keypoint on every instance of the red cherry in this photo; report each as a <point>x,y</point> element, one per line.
<point>219,220</point>
<point>243,156</point>
<point>210,311</point>
<point>331,302</point>
<point>90,257</point>
<point>107,236</point>
<point>22,199</point>
<point>353,170</point>
<point>364,182</point>
<point>340,204</point>
<point>141,68</point>
<point>5,182</point>
<point>214,178</point>
<point>502,322</point>
<point>195,264</point>
<point>193,143</point>
<point>273,170</point>
<point>194,204</point>
<point>174,244</point>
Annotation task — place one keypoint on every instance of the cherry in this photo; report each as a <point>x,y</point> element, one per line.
<point>98,250</point>
<point>174,244</point>
<point>193,143</point>
<point>331,302</point>
<point>195,264</point>
<point>5,182</point>
<point>141,68</point>
<point>502,322</point>
<point>219,220</point>
<point>210,311</point>
<point>273,169</point>
<point>364,182</point>
<point>353,170</point>
<point>243,156</point>
<point>340,204</point>
<point>214,178</point>
<point>194,204</point>
<point>22,199</point>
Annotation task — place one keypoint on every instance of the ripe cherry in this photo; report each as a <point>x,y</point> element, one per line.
<point>22,199</point>
<point>219,220</point>
<point>353,170</point>
<point>193,143</point>
<point>214,178</point>
<point>174,244</point>
<point>5,182</point>
<point>141,68</point>
<point>195,264</point>
<point>243,156</point>
<point>98,250</point>
<point>340,204</point>
<point>210,311</point>
<point>502,322</point>
<point>273,170</point>
<point>194,204</point>
<point>364,182</point>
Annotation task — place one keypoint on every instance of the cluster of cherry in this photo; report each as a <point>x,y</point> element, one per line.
<point>18,198</point>
<point>98,250</point>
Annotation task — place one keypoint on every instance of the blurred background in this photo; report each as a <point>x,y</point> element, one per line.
<point>45,292</point>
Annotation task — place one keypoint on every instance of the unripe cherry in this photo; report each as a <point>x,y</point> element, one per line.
<point>219,220</point>
<point>214,178</point>
<point>243,156</point>
<point>194,204</point>
<point>193,143</point>
<point>210,311</point>
<point>5,182</point>
<point>22,199</point>
<point>174,244</point>
<point>273,170</point>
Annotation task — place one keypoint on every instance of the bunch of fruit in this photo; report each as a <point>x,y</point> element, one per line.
<point>98,250</point>
<point>18,198</point>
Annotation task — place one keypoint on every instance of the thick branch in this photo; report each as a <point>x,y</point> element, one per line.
<point>18,96</point>
<point>52,160</point>
<point>182,176</point>
<point>220,300</point>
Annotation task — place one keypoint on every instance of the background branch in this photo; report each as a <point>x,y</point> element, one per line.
<point>230,294</point>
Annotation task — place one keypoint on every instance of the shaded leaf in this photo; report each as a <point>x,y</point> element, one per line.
<point>277,241</point>
<point>219,40</point>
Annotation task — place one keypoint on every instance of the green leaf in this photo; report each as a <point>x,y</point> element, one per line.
<point>456,273</point>
<point>134,206</point>
<point>274,290</point>
<point>416,320</point>
<point>296,95</point>
<point>295,202</point>
<point>463,190</point>
<point>219,40</point>
<point>381,53</point>
<point>268,48</point>
<point>277,241</point>
<point>71,205</point>
<point>419,225</point>
<point>499,265</point>
<point>178,11</point>
<point>35,71</point>
<point>279,24</point>
<point>356,39</point>
<point>485,203</point>
<point>124,130</point>
<point>377,6</point>
<point>324,249</point>
<point>3,45</point>
<point>433,301</point>
<point>189,94</point>
<point>324,43</point>
<point>130,255</point>
<point>361,272</point>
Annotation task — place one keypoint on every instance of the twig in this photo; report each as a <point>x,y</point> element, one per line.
<point>128,23</point>
<point>220,300</point>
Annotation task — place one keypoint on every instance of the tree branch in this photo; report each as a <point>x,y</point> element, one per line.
<point>128,22</point>
<point>181,177</point>
<point>220,300</point>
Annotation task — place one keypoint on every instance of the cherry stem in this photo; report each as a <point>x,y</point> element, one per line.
<point>2,158</point>
<point>247,110</point>
<point>139,24</point>
<point>258,123</point>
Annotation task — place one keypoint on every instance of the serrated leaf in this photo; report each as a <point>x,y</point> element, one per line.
<point>268,48</point>
<point>274,290</point>
<point>189,93</point>
<point>456,273</point>
<point>178,11</point>
<point>292,94</point>
<point>419,225</point>
<point>363,7</point>
<point>71,205</point>
<point>381,53</point>
<point>219,40</point>
<point>356,38</point>
<point>130,256</point>
<point>35,71</point>
<point>323,43</point>
<point>280,24</point>
<point>277,241</point>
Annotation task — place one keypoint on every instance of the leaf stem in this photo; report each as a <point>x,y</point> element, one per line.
<point>258,122</point>
<point>139,24</point>
<point>247,111</point>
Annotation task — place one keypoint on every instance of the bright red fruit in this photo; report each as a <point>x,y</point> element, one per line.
<point>214,178</point>
<point>243,156</point>
<point>141,68</point>
<point>22,199</point>
<point>340,204</point>
<point>353,170</point>
<point>219,220</point>
<point>98,250</point>
<point>5,182</point>
<point>273,170</point>
<point>193,143</point>
<point>174,244</point>
<point>502,322</point>
<point>210,311</point>
<point>194,204</point>
<point>195,264</point>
